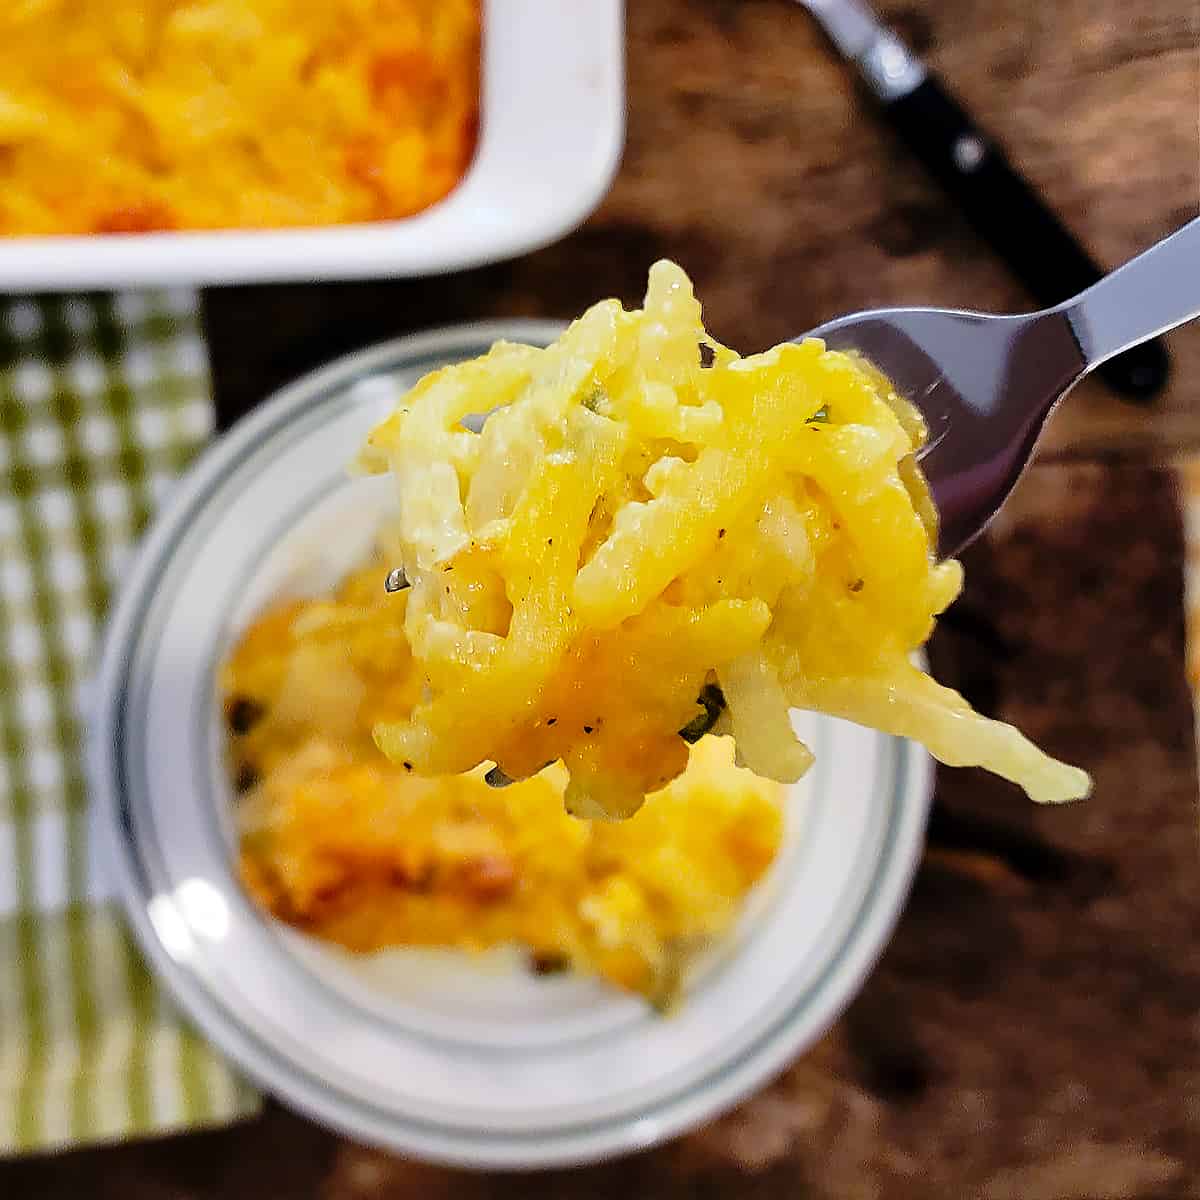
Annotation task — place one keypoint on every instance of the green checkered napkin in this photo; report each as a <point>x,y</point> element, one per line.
<point>103,400</point>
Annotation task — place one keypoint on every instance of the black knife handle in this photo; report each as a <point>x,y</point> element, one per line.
<point>1009,214</point>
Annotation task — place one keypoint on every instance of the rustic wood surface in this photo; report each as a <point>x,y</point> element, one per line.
<point>1031,1033</point>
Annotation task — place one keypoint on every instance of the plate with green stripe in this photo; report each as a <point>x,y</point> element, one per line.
<point>431,1055</point>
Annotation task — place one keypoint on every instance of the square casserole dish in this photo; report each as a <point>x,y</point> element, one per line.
<point>552,126</point>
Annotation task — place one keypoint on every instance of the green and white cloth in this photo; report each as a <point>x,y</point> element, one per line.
<point>103,400</point>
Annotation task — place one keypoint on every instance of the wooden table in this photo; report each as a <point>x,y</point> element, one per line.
<point>1031,1032</point>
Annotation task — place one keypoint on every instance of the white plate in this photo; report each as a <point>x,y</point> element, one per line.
<point>474,1063</point>
<point>552,125</point>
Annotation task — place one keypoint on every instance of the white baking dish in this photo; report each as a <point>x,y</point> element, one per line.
<point>551,131</point>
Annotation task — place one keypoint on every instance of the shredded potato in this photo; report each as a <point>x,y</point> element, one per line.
<point>631,527</point>
<point>138,115</point>
<point>339,842</point>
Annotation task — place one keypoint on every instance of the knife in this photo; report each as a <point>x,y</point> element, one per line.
<point>990,192</point>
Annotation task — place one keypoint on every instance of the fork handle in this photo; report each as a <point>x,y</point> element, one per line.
<point>1149,295</point>
<point>1009,214</point>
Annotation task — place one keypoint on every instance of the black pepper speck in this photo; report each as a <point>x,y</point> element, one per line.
<point>243,714</point>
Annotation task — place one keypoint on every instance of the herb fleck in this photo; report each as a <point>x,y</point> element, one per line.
<point>247,777</point>
<point>712,700</point>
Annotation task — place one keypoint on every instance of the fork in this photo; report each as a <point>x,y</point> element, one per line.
<point>986,383</point>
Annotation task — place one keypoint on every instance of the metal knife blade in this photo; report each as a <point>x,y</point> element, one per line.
<point>890,69</point>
